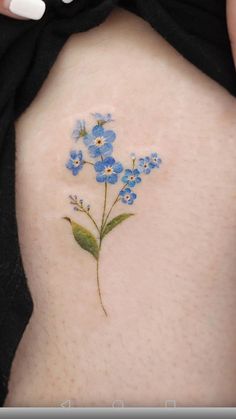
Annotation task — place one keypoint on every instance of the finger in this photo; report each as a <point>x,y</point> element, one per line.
<point>231,21</point>
<point>23,9</point>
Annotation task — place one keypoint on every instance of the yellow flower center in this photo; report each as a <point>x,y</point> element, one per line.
<point>108,170</point>
<point>99,141</point>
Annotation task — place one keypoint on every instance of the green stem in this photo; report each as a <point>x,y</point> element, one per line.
<point>88,214</point>
<point>99,289</point>
<point>92,219</point>
<point>88,162</point>
<point>114,203</point>
<point>104,207</point>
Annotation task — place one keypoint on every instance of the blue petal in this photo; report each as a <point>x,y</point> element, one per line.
<point>136,172</point>
<point>106,149</point>
<point>69,164</point>
<point>130,202</point>
<point>98,131</point>
<point>152,165</point>
<point>74,154</point>
<point>133,195</point>
<point>147,171</point>
<point>132,183</point>
<point>108,161</point>
<point>124,179</point>
<point>122,192</point>
<point>118,167</point>
<point>99,166</point>
<point>75,170</point>
<point>94,151</point>
<point>127,190</point>
<point>101,177</point>
<point>112,178</point>
<point>138,179</point>
<point>88,139</point>
<point>80,155</point>
<point>128,172</point>
<point>109,136</point>
<point>97,115</point>
<point>75,133</point>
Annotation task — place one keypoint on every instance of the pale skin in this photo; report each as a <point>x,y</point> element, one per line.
<point>168,273</point>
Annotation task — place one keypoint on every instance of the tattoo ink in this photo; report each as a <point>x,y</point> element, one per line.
<point>106,170</point>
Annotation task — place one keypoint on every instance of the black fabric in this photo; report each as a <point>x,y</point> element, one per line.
<point>196,28</point>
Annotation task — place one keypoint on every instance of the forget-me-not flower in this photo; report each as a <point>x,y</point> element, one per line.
<point>155,160</point>
<point>128,196</point>
<point>144,165</point>
<point>99,141</point>
<point>131,177</point>
<point>108,170</point>
<point>75,162</point>
<point>79,129</point>
<point>102,119</point>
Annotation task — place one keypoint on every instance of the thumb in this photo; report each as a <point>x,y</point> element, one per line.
<point>231,20</point>
<point>23,9</point>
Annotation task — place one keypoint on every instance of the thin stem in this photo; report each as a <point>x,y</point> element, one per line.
<point>114,203</point>
<point>88,162</point>
<point>104,207</point>
<point>87,213</point>
<point>92,219</point>
<point>99,289</point>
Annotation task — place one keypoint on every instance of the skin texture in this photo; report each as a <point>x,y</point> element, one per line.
<point>168,274</point>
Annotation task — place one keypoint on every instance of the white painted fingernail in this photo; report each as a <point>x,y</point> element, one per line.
<point>31,9</point>
<point>67,1</point>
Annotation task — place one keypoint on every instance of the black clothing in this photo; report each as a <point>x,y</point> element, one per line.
<point>28,49</point>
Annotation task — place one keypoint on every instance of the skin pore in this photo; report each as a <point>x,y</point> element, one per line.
<point>168,273</point>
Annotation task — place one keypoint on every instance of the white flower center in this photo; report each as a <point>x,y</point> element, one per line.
<point>99,141</point>
<point>76,163</point>
<point>127,197</point>
<point>131,177</point>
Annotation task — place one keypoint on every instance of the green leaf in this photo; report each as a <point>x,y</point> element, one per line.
<point>115,222</point>
<point>84,238</point>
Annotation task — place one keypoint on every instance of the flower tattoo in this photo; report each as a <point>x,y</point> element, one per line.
<point>79,129</point>
<point>99,141</point>
<point>131,177</point>
<point>128,196</point>
<point>75,162</point>
<point>108,171</point>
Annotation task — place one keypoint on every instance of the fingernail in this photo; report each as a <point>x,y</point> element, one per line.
<point>67,1</point>
<point>31,9</point>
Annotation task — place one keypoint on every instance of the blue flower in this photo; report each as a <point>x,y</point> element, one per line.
<point>144,165</point>
<point>128,196</point>
<point>75,162</point>
<point>79,129</point>
<point>155,160</point>
<point>131,177</point>
<point>107,170</point>
<point>99,142</point>
<point>102,119</point>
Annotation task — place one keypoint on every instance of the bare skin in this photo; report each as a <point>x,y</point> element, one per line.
<point>168,275</point>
